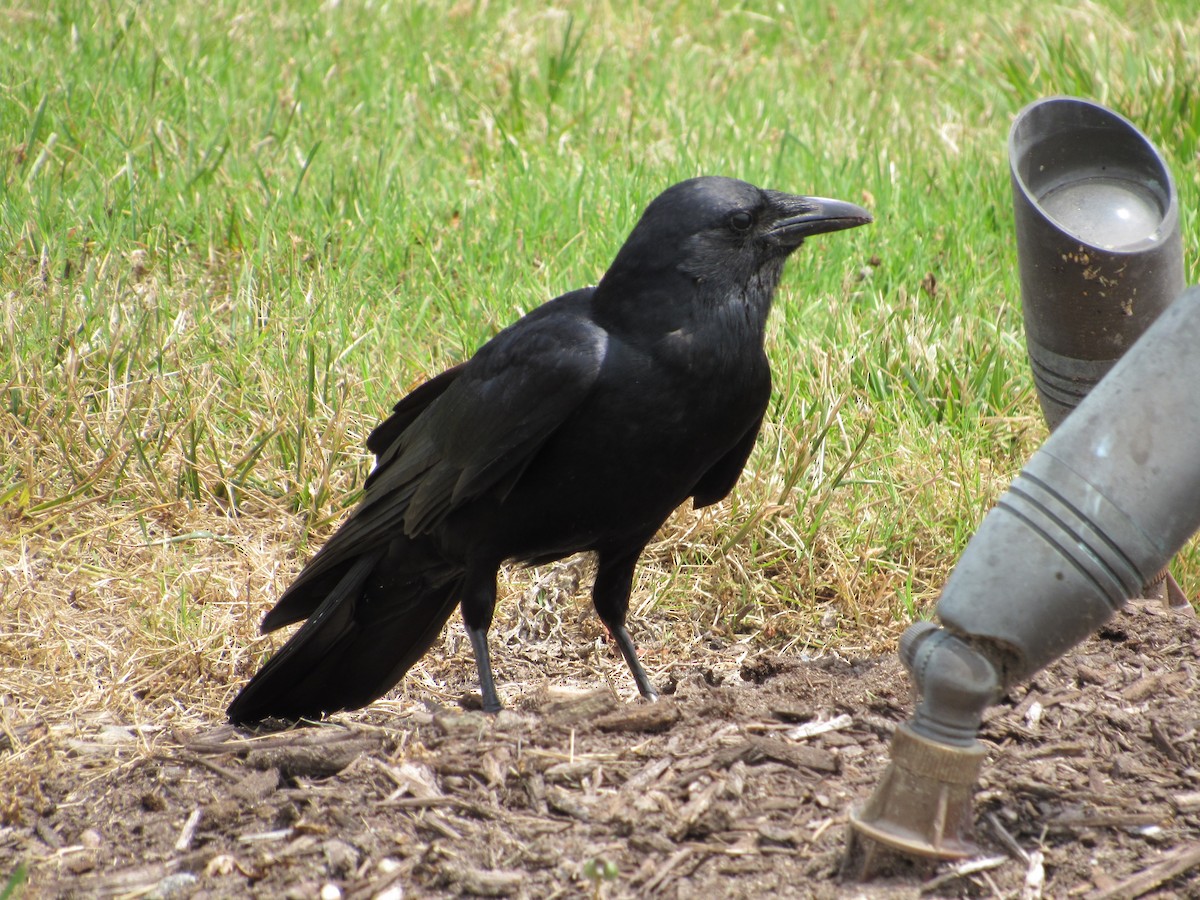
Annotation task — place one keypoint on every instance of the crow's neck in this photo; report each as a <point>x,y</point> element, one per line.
<point>726,310</point>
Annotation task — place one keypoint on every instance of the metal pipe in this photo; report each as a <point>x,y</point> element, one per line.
<point>1098,242</point>
<point>1103,505</point>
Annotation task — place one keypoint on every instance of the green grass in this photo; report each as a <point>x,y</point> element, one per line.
<point>233,235</point>
<point>13,885</point>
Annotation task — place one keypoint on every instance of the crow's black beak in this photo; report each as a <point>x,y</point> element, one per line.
<point>800,217</point>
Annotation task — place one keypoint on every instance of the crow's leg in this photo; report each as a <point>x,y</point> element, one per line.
<point>478,604</point>
<point>610,595</point>
<point>483,661</point>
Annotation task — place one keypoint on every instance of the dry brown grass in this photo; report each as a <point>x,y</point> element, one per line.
<point>121,602</point>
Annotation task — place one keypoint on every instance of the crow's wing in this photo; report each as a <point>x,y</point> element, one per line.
<point>478,433</point>
<point>488,425</point>
<point>408,409</point>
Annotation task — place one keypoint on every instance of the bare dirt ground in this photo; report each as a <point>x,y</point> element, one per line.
<point>736,784</point>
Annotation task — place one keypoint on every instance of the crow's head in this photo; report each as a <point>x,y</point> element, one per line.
<point>727,232</point>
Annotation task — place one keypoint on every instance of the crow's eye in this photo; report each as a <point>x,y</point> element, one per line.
<point>741,222</point>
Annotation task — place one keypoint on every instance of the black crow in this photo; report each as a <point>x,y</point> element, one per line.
<point>579,427</point>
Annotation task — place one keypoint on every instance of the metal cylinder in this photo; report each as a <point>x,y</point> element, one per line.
<point>1098,242</point>
<point>1096,513</point>
<point>1108,499</point>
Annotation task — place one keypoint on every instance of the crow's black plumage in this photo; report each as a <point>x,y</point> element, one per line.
<point>579,427</point>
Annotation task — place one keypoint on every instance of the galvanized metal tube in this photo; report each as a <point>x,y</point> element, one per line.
<point>1098,242</point>
<point>1096,513</point>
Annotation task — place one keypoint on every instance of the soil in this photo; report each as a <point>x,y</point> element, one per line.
<point>736,784</point>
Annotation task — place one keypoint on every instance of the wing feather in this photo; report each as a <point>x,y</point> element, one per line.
<point>477,430</point>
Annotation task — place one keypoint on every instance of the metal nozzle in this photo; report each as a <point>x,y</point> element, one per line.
<point>922,806</point>
<point>956,681</point>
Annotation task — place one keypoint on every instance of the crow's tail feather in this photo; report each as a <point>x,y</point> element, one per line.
<point>370,628</point>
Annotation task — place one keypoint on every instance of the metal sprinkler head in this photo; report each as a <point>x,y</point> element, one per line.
<point>923,805</point>
<point>1105,503</point>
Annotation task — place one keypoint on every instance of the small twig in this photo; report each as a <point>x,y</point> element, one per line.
<point>429,802</point>
<point>278,835</point>
<point>963,870</point>
<point>1152,877</point>
<point>188,833</point>
<point>1009,842</point>
<point>812,729</point>
<point>205,763</point>
<point>440,825</point>
<point>824,826</point>
<point>1035,877</point>
<point>1163,741</point>
<point>651,886</point>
